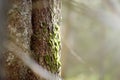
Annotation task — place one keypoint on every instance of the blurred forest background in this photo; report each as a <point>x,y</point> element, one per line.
<point>91,40</point>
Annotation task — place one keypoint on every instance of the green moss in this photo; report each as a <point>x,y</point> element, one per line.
<point>53,59</point>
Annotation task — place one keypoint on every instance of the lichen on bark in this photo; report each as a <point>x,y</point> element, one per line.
<point>45,41</point>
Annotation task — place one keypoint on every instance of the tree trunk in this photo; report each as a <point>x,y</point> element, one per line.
<point>19,31</point>
<point>45,41</point>
<point>33,26</point>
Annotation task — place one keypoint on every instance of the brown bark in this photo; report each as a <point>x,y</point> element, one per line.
<point>19,31</point>
<point>33,26</point>
<point>44,19</point>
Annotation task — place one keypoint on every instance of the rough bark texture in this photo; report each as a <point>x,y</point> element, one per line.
<point>20,30</point>
<point>33,26</point>
<point>45,41</point>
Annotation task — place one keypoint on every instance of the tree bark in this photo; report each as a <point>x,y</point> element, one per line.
<point>45,40</point>
<point>19,31</point>
<point>33,26</point>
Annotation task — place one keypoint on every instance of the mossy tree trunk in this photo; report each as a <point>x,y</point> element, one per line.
<point>45,41</point>
<point>33,26</point>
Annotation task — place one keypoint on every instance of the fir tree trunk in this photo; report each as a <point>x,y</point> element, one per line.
<point>33,26</point>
